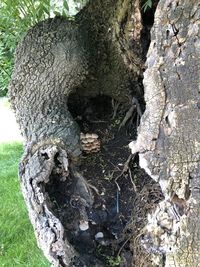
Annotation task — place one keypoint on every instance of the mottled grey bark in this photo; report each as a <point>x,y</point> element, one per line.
<point>97,53</point>
<point>168,139</point>
<point>87,56</point>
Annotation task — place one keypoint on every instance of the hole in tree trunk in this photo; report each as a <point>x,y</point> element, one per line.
<point>122,192</point>
<point>103,227</point>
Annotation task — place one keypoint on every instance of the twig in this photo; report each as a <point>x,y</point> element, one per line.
<point>125,169</point>
<point>115,106</point>
<point>131,178</point>
<point>93,187</point>
<point>118,187</point>
<point>117,201</point>
<point>128,115</point>
<point>98,121</point>
<point>125,242</point>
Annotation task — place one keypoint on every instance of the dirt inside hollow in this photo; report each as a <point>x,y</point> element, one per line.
<point>111,228</point>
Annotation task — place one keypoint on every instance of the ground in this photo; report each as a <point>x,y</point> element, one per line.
<point>123,193</point>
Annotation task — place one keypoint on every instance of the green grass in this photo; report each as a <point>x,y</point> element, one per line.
<point>17,241</point>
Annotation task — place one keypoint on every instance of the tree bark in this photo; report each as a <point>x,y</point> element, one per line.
<point>168,138</point>
<point>100,52</point>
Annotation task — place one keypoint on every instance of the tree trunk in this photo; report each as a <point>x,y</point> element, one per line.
<point>100,53</point>
<point>168,141</point>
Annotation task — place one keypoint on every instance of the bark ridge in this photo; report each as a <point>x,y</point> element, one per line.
<point>168,138</point>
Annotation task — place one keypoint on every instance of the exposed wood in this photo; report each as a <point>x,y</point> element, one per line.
<point>35,171</point>
<point>97,53</point>
<point>168,139</point>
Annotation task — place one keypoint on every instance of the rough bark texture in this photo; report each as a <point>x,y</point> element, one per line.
<point>84,56</point>
<point>97,53</point>
<point>168,141</point>
<point>100,52</point>
<point>35,173</point>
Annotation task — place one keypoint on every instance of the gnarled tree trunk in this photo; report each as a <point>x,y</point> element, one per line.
<point>101,52</point>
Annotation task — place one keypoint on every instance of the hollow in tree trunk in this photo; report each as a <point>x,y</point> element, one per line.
<point>101,54</point>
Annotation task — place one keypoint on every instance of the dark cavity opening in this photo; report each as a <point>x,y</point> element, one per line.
<point>147,21</point>
<point>103,114</point>
<point>122,192</point>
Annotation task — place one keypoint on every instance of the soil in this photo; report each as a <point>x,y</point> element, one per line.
<point>109,230</point>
